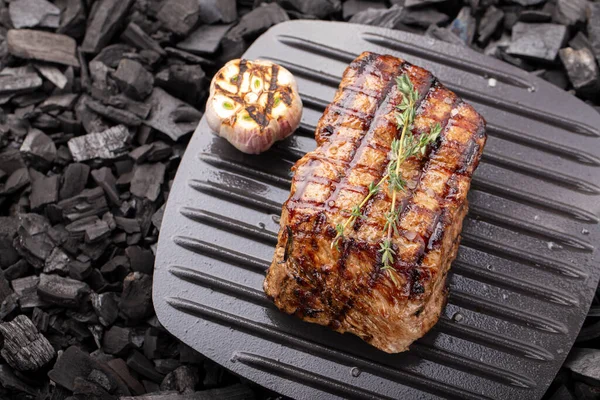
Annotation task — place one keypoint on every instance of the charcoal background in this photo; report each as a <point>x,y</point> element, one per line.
<point>98,101</point>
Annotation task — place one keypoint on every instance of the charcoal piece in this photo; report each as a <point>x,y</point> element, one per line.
<point>125,103</point>
<point>419,3</point>
<point>114,114</point>
<point>110,56</point>
<point>91,122</point>
<point>179,16</point>
<point>319,8</point>
<point>160,151</point>
<point>352,7</point>
<point>136,298</point>
<point>122,370</point>
<point>423,17</point>
<point>212,11</point>
<point>213,374</point>
<point>16,181</point>
<point>44,190</point>
<point>95,250</point>
<point>129,225</point>
<point>188,57</point>
<point>165,366</point>
<point>38,149</point>
<point>580,41</point>
<point>535,16</point>
<point>135,36</point>
<point>150,387</point>
<point>23,285</point>
<point>59,102</point>
<point>258,21</point>
<point>585,365</point>
<point>106,180</point>
<point>581,68</point>
<point>464,26</point>
<point>58,261</point>
<point>10,381</point>
<point>385,18</point>
<point>183,379</point>
<point>116,269</point>
<point>75,363</point>
<point>186,82</point>
<point>134,238</point>
<point>27,99</point>
<point>43,46</point>
<point>23,347</point>
<point>540,42</point>
<point>147,180</point>
<point>88,317</point>
<point>105,20</point>
<point>101,379</point>
<point>5,289</point>
<point>570,12</point>
<point>17,270</point>
<point>8,231</point>
<point>583,391</point>
<point>45,121</point>
<point>34,13</point>
<point>120,238</point>
<point>109,218</point>
<point>9,307</point>
<point>106,307</point>
<point>11,160</point>
<point>140,364</point>
<point>10,84</point>
<point>593,28</point>
<point>61,291</point>
<point>151,346</point>
<point>74,179</point>
<point>73,19</point>
<point>205,40</point>
<point>490,22</point>
<point>97,232</point>
<point>141,260</point>
<point>96,281</point>
<point>40,319</point>
<point>108,144</point>
<point>171,116</point>
<point>157,217</point>
<point>78,228</point>
<point>117,341</point>
<point>133,79</point>
<point>140,154</point>
<point>80,270</point>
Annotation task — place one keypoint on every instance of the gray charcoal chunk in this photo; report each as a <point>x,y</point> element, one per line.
<point>10,381</point>
<point>186,82</point>
<point>73,19</point>
<point>188,57</point>
<point>135,36</point>
<point>581,68</point>
<point>179,16</point>
<point>386,18</point>
<point>141,260</point>
<point>12,84</point>
<point>490,22</point>
<point>44,191</point>
<point>570,12</point>
<point>80,270</point>
<point>65,292</point>
<point>58,261</point>
<point>54,75</point>
<point>212,11</point>
<point>75,177</point>
<point>136,298</point>
<point>158,216</point>
<point>122,370</point>
<point>420,3</point>
<point>11,160</point>
<point>39,149</point>
<point>580,41</point>
<point>593,28</point>
<point>258,21</point>
<point>43,46</point>
<point>170,115</point>
<point>105,20</point>
<point>107,181</point>
<point>143,366</point>
<point>537,41</point>
<point>464,26</point>
<point>114,114</point>
<point>352,7</point>
<point>585,364</point>
<point>24,348</point>
<point>108,144</point>
<point>34,13</point>
<point>205,40</point>
<point>133,79</point>
<point>117,341</point>
<point>106,307</point>
<point>318,8</point>
<point>423,17</point>
<point>147,180</point>
<point>16,181</point>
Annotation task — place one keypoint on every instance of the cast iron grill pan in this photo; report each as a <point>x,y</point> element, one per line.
<point>520,286</point>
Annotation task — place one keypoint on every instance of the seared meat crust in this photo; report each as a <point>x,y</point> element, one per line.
<point>344,287</point>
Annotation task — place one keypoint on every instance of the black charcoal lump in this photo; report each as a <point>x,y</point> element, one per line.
<point>108,144</point>
<point>537,41</point>
<point>23,347</point>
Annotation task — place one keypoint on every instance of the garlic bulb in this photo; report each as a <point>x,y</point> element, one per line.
<point>253,104</point>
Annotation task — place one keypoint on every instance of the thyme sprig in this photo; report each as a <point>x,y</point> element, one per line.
<point>401,149</point>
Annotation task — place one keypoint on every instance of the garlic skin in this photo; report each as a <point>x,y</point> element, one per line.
<point>253,104</point>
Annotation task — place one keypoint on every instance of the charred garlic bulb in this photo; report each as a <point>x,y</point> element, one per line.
<point>253,104</point>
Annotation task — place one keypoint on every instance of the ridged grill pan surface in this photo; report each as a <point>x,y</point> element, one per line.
<point>519,289</point>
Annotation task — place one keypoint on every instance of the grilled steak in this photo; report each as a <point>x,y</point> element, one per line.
<point>344,286</point>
